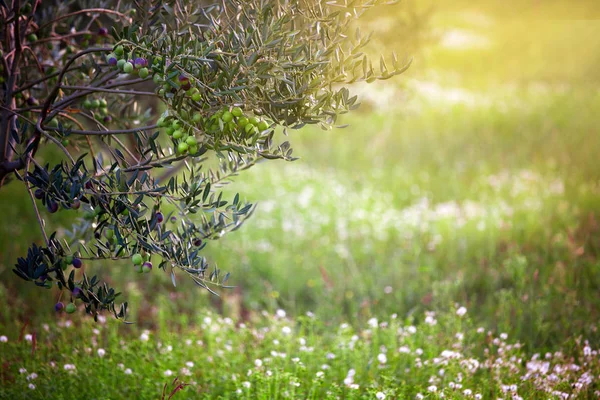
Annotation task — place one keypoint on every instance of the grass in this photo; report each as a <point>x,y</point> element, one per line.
<point>274,356</point>
<point>477,192</point>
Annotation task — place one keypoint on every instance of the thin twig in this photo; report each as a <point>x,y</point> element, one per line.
<point>35,207</point>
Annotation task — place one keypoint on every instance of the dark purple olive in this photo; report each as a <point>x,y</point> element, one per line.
<point>76,204</point>
<point>77,263</point>
<point>107,119</point>
<point>39,194</point>
<point>43,278</point>
<point>173,219</point>
<point>88,185</point>
<point>112,60</point>
<point>52,207</point>
<point>198,242</point>
<point>59,306</point>
<point>140,62</point>
<point>183,79</point>
<point>31,101</point>
<point>159,217</point>
<point>76,292</point>
<point>186,86</point>
<point>103,31</point>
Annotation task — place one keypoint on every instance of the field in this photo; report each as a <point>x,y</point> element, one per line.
<point>444,245</point>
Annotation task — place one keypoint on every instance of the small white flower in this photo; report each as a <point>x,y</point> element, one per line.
<point>380,395</point>
<point>120,365</point>
<point>432,389</point>
<point>269,373</point>
<point>186,372</point>
<point>246,384</point>
<point>280,313</point>
<point>128,371</point>
<point>412,330</point>
<point>169,348</point>
<point>503,336</point>
<point>69,367</point>
<point>96,331</point>
<point>144,337</point>
<point>29,337</point>
<point>3,339</point>
<point>22,371</point>
<point>286,330</point>
<point>258,363</point>
<point>188,342</point>
<point>330,356</point>
<point>302,341</point>
<point>387,290</point>
<point>168,372</point>
<point>419,396</point>
<point>373,323</point>
<point>31,386</point>
<point>207,320</point>
<point>325,367</point>
<point>310,314</point>
<point>320,374</point>
<point>419,352</point>
<point>382,358</point>
<point>467,392</point>
<point>101,352</point>
<point>354,386</point>
<point>461,311</point>
<point>189,364</point>
<point>31,376</point>
<point>478,396</point>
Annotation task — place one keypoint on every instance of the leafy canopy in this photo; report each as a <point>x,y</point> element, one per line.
<point>227,74</point>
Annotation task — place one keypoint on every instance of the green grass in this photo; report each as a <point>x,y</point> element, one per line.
<point>481,190</point>
<point>275,357</point>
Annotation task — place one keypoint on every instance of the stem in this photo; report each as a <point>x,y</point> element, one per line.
<point>35,207</point>
<point>116,131</point>
<point>110,90</point>
<point>86,10</point>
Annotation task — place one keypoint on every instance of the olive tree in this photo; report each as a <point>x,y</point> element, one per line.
<point>138,99</point>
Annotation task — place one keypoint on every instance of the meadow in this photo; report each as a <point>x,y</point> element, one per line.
<point>444,245</point>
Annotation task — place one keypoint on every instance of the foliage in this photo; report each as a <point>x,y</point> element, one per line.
<point>229,74</point>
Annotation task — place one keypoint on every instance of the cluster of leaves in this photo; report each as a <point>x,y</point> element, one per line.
<point>228,73</point>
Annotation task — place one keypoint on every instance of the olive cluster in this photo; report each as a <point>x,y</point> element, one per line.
<point>142,263</point>
<point>231,120</point>
<point>133,65</point>
<point>100,108</point>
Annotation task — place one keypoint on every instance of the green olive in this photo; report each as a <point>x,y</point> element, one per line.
<point>237,112</point>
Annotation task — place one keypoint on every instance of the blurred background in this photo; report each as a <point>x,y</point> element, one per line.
<point>473,178</point>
